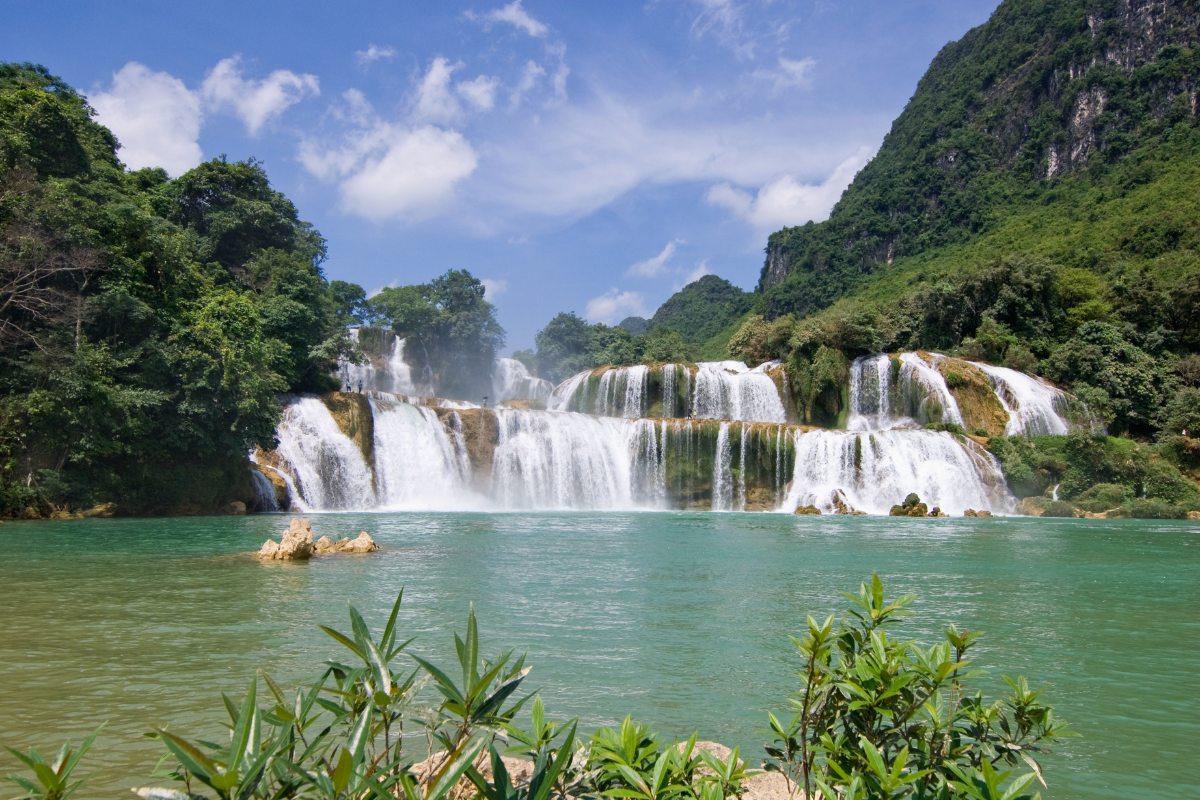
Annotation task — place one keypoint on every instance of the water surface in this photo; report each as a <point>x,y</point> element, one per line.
<point>681,619</point>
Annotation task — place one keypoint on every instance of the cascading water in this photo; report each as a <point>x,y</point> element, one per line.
<point>874,471</point>
<point>870,394</point>
<point>924,392</point>
<point>511,381</point>
<point>557,461</point>
<point>730,390</point>
<point>393,374</point>
<point>1032,405</point>
<point>327,468</point>
<point>416,463</point>
<point>264,493</point>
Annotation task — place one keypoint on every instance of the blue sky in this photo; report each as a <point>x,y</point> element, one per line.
<point>587,157</point>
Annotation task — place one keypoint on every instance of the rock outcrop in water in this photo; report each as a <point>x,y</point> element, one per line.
<point>361,544</point>
<point>296,544</point>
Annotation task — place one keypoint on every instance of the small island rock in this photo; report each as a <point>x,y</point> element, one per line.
<point>807,510</point>
<point>297,543</point>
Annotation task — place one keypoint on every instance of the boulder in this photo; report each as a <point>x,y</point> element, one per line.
<point>30,513</point>
<point>103,510</point>
<point>297,543</point>
<point>970,512</point>
<point>840,506</point>
<point>807,510</point>
<point>936,512</point>
<point>770,786</point>
<point>918,510</point>
<point>236,509</point>
<point>64,514</point>
<point>1193,515</point>
<point>362,544</point>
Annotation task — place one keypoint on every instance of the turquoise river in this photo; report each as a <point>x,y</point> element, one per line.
<point>680,619</point>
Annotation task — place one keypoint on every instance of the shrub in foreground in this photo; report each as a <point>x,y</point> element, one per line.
<point>875,717</point>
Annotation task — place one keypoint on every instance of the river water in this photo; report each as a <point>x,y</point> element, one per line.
<point>680,619</point>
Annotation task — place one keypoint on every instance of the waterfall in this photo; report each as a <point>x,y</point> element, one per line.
<point>442,459</point>
<point>511,381</point>
<point>264,493</point>
<point>1032,404</point>
<point>557,461</point>
<point>328,470</point>
<point>874,471</point>
<point>722,485</point>
<point>387,373</point>
<point>730,390</point>
<point>416,463</point>
<point>564,396</point>
<point>924,391</point>
<point>870,394</point>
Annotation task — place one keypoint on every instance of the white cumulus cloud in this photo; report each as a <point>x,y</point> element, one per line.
<point>154,116</point>
<point>480,92</point>
<point>413,177</point>
<point>513,14</point>
<point>374,53</point>
<point>652,266</point>
<point>785,201</point>
<point>493,288</point>
<point>253,101</point>
<point>614,305</point>
<point>434,101</point>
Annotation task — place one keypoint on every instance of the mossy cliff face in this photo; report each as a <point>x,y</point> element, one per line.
<point>977,402</point>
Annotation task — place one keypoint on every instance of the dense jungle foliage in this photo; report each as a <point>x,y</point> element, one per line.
<point>874,718</point>
<point>146,324</point>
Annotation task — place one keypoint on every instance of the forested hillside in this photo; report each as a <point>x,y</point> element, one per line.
<point>1035,205</point>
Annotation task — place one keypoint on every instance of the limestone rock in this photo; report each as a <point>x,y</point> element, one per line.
<point>970,512</point>
<point>807,510</point>
<point>64,514</point>
<point>840,506</point>
<point>770,786</point>
<point>937,512</point>
<point>104,510</point>
<point>1193,515</point>
<point>30,513</point>
<point>297,543</point>
<point>362,544</point>
<point>236,509</point>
